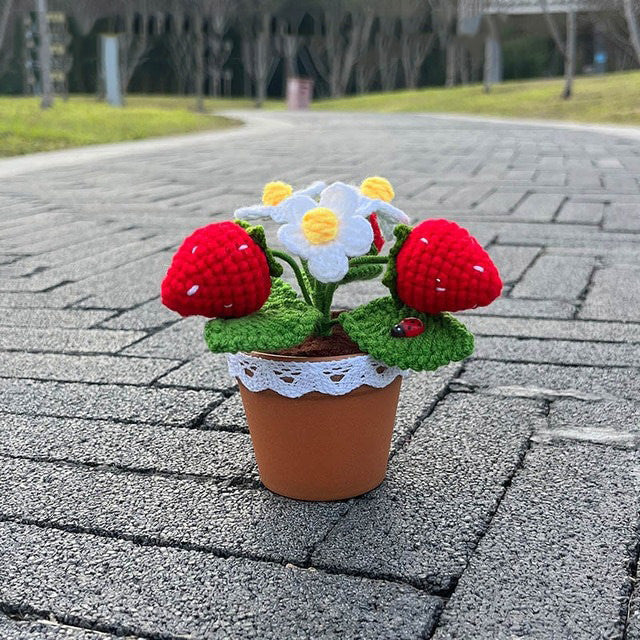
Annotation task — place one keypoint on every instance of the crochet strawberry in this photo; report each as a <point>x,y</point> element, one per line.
<point>441,267</point>
<point>220,271</point>
<point>378,238</point>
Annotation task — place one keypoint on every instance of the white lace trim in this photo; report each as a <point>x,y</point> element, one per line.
<point>293,379</point>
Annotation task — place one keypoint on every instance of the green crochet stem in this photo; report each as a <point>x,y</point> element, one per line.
<point>320,294</point>
<point>298,274</point>
<point>323,299</point>
<point>354,262</point>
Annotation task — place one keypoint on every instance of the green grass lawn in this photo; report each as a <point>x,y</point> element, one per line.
<point>612,98</point>
<point>25,128</point>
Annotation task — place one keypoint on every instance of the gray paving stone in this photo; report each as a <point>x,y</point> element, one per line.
<point>614,295</point>
<point>581,212</point>
<point>54,318</point>
<point>66,340</point>
<point>418,396</point>
<point>183,340</point>
<point>129,403</point>
<point>622,217</point>
<point>512,261</point>
<point>558,351</point>
<point>554,561</point>
<point>84,221</point>
<point>228,416</point>
<point>559,277</point>
<point>633,623</point>
<point>560,329</point>
<point>422,524</point>
<point>514,307</point>
<point>500,202</point>
<point>163,592</point>
<point>596,382</point>
<point>167,511</point>
<point>611,422</point>
<point>152,448</point>
<point>11,629</point>
<point>73,368</point>
<point>208,371</point>
<point>150,315</point>
<point>539,206</point>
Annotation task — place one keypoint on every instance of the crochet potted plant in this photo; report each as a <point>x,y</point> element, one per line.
<point>320,386</point>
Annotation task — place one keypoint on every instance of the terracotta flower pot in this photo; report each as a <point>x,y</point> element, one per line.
<point>320,446</point>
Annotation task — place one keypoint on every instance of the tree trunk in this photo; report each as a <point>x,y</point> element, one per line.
<point>632,25</point>
<point>4,20</point>
<point>570,56</point>
<point>491,61</point>
<point>44,55</point>
<point>451,62</point>
<point>463,64</point>
<point>262,59</point>
<point>199,60</point>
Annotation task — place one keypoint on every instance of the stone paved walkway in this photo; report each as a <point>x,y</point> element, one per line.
<point>129,500</point>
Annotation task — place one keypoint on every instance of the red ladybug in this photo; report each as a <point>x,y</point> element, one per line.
<point>408,328</point>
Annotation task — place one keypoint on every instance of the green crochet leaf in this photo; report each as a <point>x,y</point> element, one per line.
<point>401,232</point>
<point>258,236</point>
<point>445,339</point>
<point>283,321</point>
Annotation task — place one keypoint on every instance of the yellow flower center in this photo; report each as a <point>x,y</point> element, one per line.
<point>377,187</point>
<point>320,225</point>
<point>275,192</point>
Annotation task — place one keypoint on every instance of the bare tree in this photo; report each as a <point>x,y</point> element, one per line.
<point>444,16</point>
<point>288,39</point>
<point>630,13</point>
<point>347,31</point>
<point>567,48</point>
<point>44,55</point>
<point>198,54</point>
<point>5,14</point>
<point>388,51</point>
<point>492,62</point>
<point>180,45</point>
<point>365,69</point>
<point>218,15</point>
<point>415,44</point>
<point>134,37</point>
<point>259,56</point>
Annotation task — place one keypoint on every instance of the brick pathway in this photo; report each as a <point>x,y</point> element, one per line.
<point>129,501</point>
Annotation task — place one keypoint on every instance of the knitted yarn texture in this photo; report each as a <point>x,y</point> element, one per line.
<point>294,379</point>
<point>441,267</point>
<point>218,271</point>
<point>444,339</point>
<point>283,321</point>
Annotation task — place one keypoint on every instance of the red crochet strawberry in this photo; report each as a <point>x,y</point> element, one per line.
<point>378,238</point>
<point>441,267</point>
<point>220,271</point>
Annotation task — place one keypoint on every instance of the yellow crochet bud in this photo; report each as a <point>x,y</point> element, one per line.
<point>320,225</point>
<point>377,187</point>
<point>275,192</point>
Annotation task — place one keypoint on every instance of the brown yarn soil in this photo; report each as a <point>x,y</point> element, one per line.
<point>337,344</point>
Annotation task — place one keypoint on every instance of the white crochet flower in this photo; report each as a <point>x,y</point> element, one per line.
<point>327,233</point>
<point>277,212</point>
<point>388,215</point>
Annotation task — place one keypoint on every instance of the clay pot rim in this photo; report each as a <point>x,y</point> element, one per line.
<point>276,356</point>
